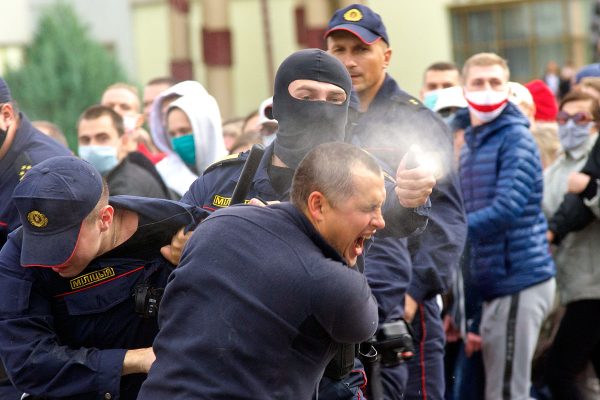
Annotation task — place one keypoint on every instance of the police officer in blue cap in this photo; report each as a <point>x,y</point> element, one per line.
<point>21,147</point>
<point>80,283</point>
<point>405,275</point>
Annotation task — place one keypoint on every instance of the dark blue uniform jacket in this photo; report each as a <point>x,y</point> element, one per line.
<point>30,147</point>
<point>65,338</point>
<point>255,309</point>
<point>394,122</point>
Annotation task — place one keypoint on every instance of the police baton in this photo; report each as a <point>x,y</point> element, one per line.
<point>250,167</point>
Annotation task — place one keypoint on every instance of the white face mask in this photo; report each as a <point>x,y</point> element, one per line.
<point>129,123</point>
<point>487,105</point>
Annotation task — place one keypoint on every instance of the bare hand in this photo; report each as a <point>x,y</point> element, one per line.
<point>472,343</point>
<point>577,182</point>
<point>550,236</point>
<point>172,252</point>
<point>256,202</point>
<point>138,361</point>
<point>452,332</point>
<point>410,308</point>
<point>413,186</point>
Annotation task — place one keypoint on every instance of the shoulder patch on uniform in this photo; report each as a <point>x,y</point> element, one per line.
<point>228,160</point>
<point>406,99</point>
<point>22,165</point>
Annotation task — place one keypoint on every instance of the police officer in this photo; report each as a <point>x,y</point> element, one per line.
<point>21,147</point>
<point>272,290</point>
<point>386,121</point>
<point>80,282</point>
<point>310,104</point>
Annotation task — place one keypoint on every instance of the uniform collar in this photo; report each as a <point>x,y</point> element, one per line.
<point>22,138</point>
<point>388,89</point>
<point>261,182</point>
<point>308,228</point>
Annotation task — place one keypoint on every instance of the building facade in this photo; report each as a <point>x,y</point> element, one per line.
<point>233,47</point>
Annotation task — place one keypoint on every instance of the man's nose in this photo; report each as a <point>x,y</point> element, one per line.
<point>348,61</point>
<point>378,221</point>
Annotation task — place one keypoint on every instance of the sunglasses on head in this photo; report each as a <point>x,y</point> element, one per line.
<point>579,118</point>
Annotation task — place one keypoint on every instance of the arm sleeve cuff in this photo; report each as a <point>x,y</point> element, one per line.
<point>109,374</point>
<point>416,291</point>
<point>590,190</point>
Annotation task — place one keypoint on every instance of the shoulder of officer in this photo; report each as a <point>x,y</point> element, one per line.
<point>230,160</point>
<point>404,98</point>
<point>22,164</point>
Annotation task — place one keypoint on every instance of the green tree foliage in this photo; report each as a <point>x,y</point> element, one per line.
<point>64,71</point>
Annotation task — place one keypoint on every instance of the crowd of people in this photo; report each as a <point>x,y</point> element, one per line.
<point>389,247</point>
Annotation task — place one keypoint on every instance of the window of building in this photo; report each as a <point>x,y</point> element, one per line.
<point>528,33</point>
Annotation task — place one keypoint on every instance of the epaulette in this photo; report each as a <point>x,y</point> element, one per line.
<point>22,165</point>
<point>236,158</point>
<point>407,99</point>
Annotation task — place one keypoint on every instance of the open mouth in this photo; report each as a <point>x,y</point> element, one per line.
<point>359,243</point>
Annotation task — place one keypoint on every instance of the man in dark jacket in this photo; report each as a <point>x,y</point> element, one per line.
<point>501,177</point>
<point>104,143</point>
<point>405,275</point>
<point>79,281</point>
<point>21,147</point>
<point>274,290</point>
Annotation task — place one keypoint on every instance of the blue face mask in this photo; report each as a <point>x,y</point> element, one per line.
<point>430,99</point>
<point>572,135</point>
<point>185,148</point>
<point>103,158</point>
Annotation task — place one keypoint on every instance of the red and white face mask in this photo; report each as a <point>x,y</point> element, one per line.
<point>487,104</point>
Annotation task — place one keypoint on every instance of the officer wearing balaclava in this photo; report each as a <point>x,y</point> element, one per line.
<point>305,124</point>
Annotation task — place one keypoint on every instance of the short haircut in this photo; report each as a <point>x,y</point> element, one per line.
<point>485,60</point>
<point>442,66</point>
<point>329,169</point>
<point>98,111</point>
<point>102,201</point>
<point>163,80</point>
<point>578,95</point>
<point>123,85</point>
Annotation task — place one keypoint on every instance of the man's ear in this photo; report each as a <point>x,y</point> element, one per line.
<point>106,215</point>
<point>7,114</point>
<point>316,206</point>
<point>387,56</point>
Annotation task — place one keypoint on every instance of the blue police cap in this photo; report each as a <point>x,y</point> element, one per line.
<point>53,199</point>
<point>5,96</point>
<point>359,20</point>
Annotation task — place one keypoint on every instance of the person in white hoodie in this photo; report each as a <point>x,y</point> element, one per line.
<point>205,144</point>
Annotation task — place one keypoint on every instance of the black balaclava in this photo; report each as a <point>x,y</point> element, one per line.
<point>303,124</point>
